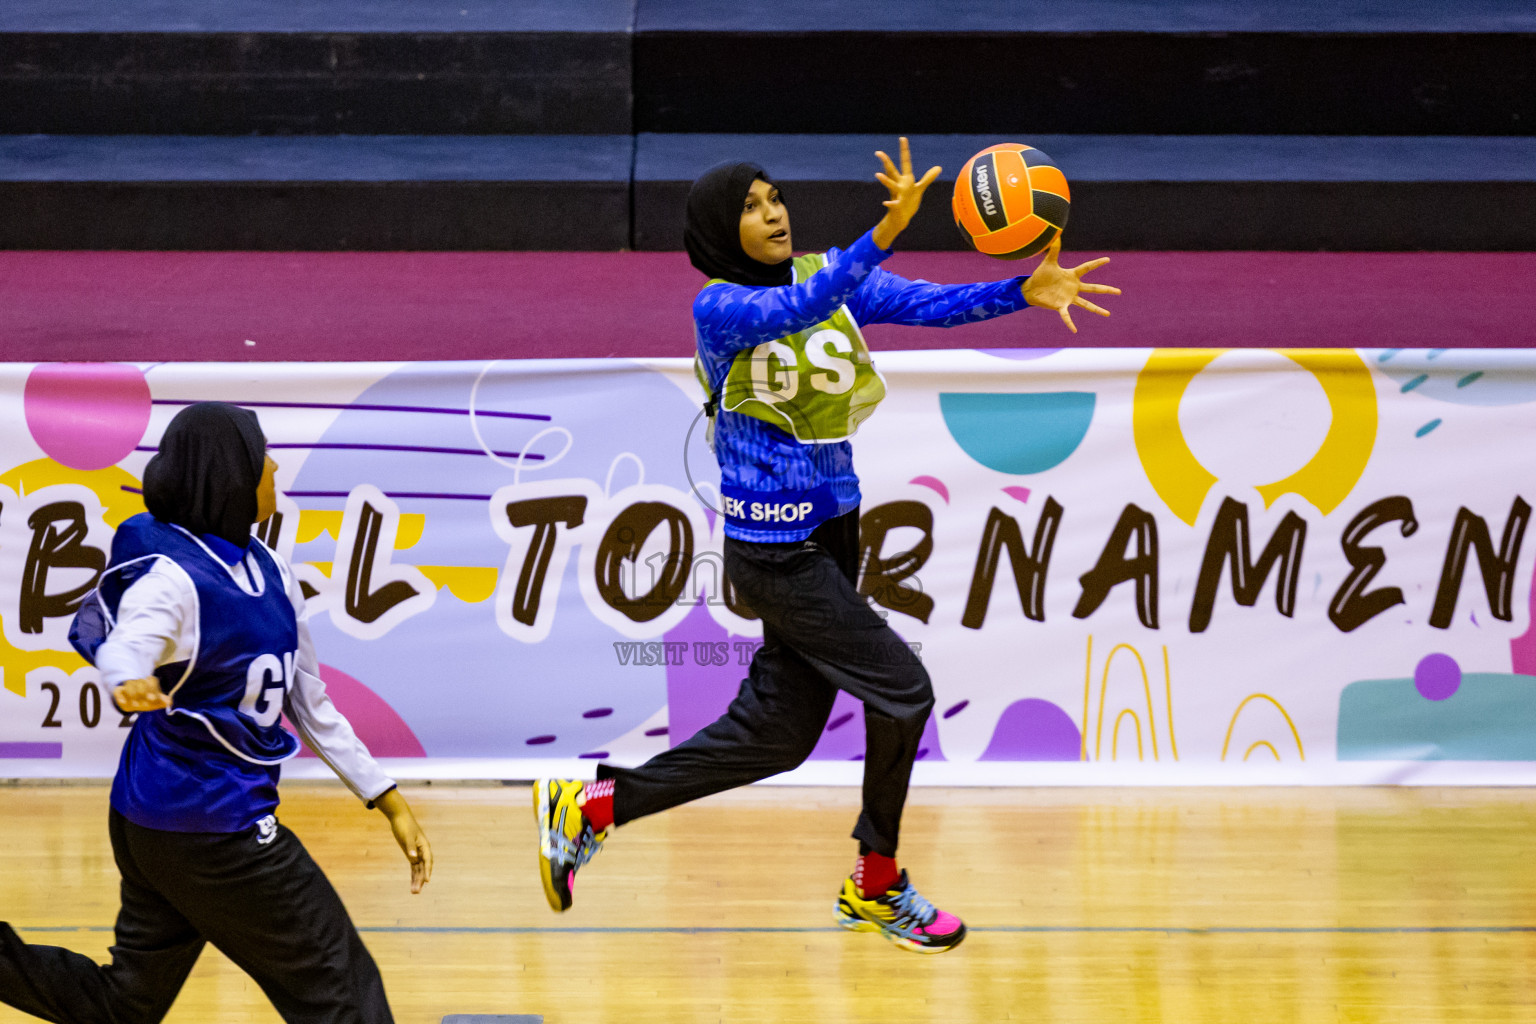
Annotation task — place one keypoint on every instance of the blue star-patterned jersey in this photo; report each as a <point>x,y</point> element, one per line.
<point>758,458</point>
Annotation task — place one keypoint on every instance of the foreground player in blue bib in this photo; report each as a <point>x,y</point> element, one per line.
<point>198,627</point>
<point>790,380</point>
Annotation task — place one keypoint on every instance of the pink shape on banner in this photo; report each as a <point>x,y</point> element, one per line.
<point>86,415</point>
<point>378,725</point>
<point>934,483</point>
<point>1522,648</point>
<point>1021,493</point>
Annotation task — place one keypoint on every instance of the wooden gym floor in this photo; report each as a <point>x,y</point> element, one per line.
<point>1091,905</point>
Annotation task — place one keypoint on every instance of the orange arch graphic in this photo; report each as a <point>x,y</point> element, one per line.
<point>1300,750</point>
<point>1114,739</point>
<point>1146,688</point>
<point>1146,685</point>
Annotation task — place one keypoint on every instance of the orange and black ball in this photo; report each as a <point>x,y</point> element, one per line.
<point>1011,201</point>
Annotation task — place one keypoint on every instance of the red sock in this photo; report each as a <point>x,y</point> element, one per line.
<point>875,874</point>
<point>597,803</point>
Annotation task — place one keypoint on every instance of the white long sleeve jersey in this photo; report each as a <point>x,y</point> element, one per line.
<point>156,625</point>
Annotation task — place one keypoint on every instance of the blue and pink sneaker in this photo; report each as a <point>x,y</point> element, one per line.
<point>902,915</point>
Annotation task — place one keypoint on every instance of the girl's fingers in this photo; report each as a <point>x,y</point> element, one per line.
<point>1090,265</point>
<point>906,157</point>
<point>424,860</point>
<point>135,696</point>
<point>413,857</point>
<point>928,179</point>
<point>1066,318</point>
<point>890,168</point>
<point>1090,307</point>
<point>885,180</point>
<point>1087,286</point>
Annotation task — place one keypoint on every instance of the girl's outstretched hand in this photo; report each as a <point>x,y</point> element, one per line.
<point>906,194</point>
<point>1056,287</point>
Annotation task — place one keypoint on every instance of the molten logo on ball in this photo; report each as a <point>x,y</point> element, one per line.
<point>983,188</point>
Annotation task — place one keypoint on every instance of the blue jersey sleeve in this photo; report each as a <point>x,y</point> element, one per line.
<point>733,317</point>
<point>886,298</point>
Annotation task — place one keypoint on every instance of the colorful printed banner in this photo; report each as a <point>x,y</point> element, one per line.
<point>1119,566</point>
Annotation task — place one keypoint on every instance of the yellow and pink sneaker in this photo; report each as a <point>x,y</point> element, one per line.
<point>902,915</point>
<point>567,839</point>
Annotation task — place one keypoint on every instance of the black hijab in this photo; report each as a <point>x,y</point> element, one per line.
<point>205,474</point>
<point>712,227</point>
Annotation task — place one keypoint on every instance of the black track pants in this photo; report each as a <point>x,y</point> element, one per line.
<point>819,636</point>
<point>265,905</point>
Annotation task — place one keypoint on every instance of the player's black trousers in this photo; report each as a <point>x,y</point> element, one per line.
<point>267,907</point>
<point>819,636</point>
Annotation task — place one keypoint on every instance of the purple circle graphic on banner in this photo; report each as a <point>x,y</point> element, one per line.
<point>1437,676</point>
<point>86,415</point>
<point>1034,730</point>
<point>1019,353</point>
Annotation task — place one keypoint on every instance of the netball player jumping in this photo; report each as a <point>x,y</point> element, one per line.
<point>791,510</point>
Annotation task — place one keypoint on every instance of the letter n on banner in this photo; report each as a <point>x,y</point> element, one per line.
<point>1001,534</point>
<point>1470,534</point>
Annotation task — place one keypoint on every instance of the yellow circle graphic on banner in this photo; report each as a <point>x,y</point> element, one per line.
<point>1327,478</point>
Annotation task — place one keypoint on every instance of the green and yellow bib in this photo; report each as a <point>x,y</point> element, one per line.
<point>818,384</point>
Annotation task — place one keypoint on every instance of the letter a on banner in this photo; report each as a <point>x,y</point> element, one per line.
<point>1116,566</point>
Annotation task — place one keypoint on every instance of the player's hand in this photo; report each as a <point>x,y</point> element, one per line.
<point>1053,286</point>
<point>906,194</point>
<point>140,695</point>
<point>412,840</point>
